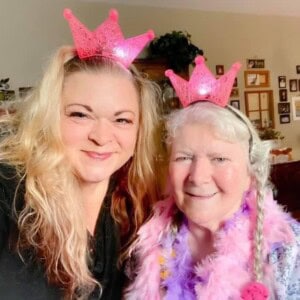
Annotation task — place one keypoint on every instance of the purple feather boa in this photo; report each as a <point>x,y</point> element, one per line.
<point>180,284</point>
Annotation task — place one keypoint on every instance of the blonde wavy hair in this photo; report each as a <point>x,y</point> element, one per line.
<point>52,216</point>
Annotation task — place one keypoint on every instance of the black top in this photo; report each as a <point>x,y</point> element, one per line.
<point>26,280</point>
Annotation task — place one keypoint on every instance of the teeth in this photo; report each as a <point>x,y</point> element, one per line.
<point>201,195</point>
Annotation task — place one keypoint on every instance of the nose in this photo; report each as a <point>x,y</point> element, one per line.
<point>101,132</point>
<point>200,171</point>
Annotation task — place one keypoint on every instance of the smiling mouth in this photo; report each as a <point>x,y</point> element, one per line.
<point>201,196</point>
<point>96,155</point>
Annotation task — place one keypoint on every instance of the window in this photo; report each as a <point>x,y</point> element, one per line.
<point>260,108</point>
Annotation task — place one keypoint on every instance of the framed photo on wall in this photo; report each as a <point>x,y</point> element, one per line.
<point>235,83</point>
<point>283,95</point>
<point>235,103</point>
<point>234,92</point>
<point>255,63</point>
<point>284,119</point>
<point>257,79</point>
<point>293,85</point>
<point>296,107</point>
<point>219,69</point>
<point>298,69</point>
<point>284,108</point>
<point>282,82</point>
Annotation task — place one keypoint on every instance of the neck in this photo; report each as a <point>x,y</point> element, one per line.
<point>200,241</point>
<point>93,196</point>
<point>93,192</point>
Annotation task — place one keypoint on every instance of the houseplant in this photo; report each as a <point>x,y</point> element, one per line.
<point>269,133</point>
<point>176,47</point>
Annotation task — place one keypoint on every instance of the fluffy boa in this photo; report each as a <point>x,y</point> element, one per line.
<point>228,270</point>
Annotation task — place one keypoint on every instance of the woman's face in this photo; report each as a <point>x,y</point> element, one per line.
<point>208,175</point>
<point>99,123</point>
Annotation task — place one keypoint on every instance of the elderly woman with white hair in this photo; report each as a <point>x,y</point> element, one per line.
<point>220,234</point>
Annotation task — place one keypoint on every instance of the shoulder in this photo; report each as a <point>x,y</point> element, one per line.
<point>163,212</point>
<point>285,261</point>
<point>8,175</point>
<point>9,183</point>
<point>287,250</point>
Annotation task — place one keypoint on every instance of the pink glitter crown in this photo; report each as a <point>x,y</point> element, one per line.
<point>203,85</point>
<point>107,40</point>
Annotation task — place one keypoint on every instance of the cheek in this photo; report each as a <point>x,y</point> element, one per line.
<point>128,140</point>
<point>177,176</point>
<point>234,178</point>
<point>70,133</point>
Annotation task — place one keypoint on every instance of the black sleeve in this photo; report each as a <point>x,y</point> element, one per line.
<point>8,184</point>
<point>4,218</point>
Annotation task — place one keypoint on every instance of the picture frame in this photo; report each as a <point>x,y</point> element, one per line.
<point>219,69</point>
<point>235,83</point>
<point>8,95</point>
<point>234,92</point>
<point>298,69</point>
<point>2,97</point>
<point>296,107</point>
<point>24,91</point>
<point>284,108</point>
<point>235,103</point>
<point>282,82</point>
<point>257,78</point>
<point>283,95</point>
<point>293,85</point>
<point>284,119</point>
<point>255,63</point>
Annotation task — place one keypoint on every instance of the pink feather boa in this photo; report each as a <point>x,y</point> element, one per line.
<point>228,270</point>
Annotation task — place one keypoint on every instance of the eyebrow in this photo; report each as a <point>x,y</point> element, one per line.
<point>88,108</point>
<point>79,104</point>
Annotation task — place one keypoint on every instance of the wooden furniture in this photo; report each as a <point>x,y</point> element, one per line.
<point>155,69</point>
<point>281,155</point>
<point>286,180</point>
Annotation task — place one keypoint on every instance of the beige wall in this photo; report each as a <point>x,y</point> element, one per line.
<point>31,30</point>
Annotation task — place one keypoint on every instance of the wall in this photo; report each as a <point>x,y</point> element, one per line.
<point>30,33</point>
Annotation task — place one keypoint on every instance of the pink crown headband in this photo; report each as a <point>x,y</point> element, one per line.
<point>203,85</point>
<point>106,40</point>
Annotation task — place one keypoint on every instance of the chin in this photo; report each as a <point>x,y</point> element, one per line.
<point>90,177</point>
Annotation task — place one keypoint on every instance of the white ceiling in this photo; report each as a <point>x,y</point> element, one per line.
<point>258,7</point>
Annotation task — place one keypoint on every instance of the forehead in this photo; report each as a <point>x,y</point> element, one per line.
<point>102,88</point>
<point>203,137</point>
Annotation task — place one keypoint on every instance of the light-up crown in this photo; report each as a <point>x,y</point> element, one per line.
<point>203,85</point>
<point>107,40</point>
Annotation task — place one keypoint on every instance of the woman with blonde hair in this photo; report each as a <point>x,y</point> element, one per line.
<point>78,170</point>
<point>220,234</point>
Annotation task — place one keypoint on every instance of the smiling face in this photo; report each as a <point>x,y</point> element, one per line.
<point>99,123</point>
<point>208,175</point>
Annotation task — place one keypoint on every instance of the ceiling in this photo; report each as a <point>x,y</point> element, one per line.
<point>258,7</point>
